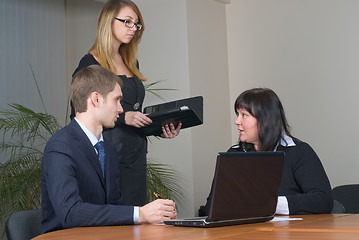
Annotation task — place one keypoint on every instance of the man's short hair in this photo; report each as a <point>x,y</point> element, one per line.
<point>93,78</point>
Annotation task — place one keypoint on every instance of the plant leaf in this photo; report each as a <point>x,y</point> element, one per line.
<point>162,179</point>
<point>148,88</point>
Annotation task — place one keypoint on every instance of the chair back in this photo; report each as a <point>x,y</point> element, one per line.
<point>338,208</point>
<point>23,225</point>
<point>348,195</point>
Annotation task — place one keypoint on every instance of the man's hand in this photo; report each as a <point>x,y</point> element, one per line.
<point>157,211</point>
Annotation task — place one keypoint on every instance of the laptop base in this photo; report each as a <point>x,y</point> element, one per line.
<point>201,222</point>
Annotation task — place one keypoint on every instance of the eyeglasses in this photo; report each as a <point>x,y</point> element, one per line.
<point>130,24</point>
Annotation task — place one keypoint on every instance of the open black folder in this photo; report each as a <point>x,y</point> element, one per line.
<point>188,111</point>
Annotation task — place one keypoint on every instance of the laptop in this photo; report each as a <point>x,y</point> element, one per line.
<point>244,190</point>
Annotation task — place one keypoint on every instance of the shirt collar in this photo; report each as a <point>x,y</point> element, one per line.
<point>286,141</point>
<point>89,134</point>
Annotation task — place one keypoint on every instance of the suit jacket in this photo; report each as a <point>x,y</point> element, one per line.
<point>74,191</point>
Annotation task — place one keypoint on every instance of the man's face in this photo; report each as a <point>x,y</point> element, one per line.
<point>111,107</point>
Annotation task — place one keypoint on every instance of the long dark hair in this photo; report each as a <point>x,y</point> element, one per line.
<point>265,106</point>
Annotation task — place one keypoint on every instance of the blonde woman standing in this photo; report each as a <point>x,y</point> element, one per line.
<point>119,30</point>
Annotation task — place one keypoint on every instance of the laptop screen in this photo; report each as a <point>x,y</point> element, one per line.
<point>246,185</point>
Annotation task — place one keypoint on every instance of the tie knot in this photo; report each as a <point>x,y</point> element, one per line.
<point>100,146</point>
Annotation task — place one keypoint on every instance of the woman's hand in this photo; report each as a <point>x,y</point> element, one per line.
<point>170,131</point>
<point>137,119</point>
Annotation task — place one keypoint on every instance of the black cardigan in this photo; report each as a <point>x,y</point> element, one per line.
<point>304,182</point>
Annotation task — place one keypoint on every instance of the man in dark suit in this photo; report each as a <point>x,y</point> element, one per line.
<point>79,181</point>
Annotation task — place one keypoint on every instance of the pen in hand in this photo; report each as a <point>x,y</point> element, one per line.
<point>157,195</point>
<point>174,208</point>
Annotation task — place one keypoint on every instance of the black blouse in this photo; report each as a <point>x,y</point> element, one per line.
<point>133,90</point>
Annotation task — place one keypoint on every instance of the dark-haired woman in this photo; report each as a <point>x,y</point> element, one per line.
<point>262,125</point>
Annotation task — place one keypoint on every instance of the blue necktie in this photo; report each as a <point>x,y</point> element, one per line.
<point>100,147</point>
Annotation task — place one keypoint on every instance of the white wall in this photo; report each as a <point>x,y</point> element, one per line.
<point>81,23</point>
<point>208,65</point>
<point>32,33</point>
<point>163,56</point>
<point>173,49</point>
<point>307,51</point>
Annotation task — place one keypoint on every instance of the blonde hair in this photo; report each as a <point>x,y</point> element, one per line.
<point>102,48</point>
